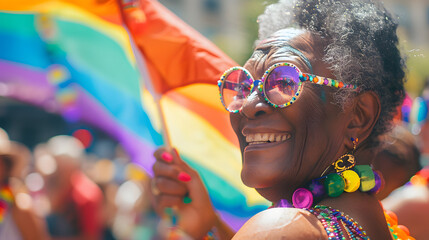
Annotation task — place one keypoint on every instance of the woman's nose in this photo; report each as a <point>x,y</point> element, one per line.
<point>255,105</point>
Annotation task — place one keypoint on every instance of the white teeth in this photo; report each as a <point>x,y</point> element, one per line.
<point>272,137</point>
<point>258,138</point>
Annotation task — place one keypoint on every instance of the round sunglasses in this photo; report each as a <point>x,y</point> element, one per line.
<point>280,85</point>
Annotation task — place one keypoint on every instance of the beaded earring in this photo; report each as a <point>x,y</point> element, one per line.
<point>348,160</point>
<point>360,177</point>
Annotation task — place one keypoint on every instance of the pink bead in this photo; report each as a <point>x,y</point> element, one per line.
<point>302,198</point>
<point>326,81</point>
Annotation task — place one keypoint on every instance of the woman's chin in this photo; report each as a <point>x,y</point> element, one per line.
<point>256,179</point>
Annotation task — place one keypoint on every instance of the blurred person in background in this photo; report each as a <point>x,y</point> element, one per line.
<point>17,219</point>
<point>397,159</point>
<point>75,201</point>
<point>424,132</point>
<point>411,203</point>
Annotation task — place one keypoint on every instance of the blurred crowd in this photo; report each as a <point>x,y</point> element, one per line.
<point>57,191</point>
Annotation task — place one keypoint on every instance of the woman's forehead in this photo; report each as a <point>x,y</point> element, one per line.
<point>307,52</point>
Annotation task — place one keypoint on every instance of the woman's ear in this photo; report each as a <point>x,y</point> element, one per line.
<point>364,113</point>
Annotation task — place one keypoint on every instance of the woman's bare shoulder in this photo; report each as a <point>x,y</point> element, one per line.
<point>282,223</point>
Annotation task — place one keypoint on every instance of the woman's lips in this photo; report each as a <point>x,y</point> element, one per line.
<point>262,138</point>
<point>262,145</point>
<point>257,141</point>
<point>256,138</point>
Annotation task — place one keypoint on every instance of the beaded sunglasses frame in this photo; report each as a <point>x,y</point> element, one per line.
<point>303,77</point>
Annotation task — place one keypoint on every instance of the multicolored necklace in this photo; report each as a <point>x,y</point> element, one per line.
<point>421,178</point>
<point>399,232</point>
<point>6,199</point>
<point>335,222</point>
<point>360,177</point>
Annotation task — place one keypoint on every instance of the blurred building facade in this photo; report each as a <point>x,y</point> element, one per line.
<point>225,22</point>
<point>231,24</point>
<point>414,18</point>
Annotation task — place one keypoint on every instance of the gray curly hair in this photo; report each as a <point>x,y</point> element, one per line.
<point>362,46</point>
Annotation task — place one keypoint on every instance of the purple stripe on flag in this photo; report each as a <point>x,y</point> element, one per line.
<point>29,84</point>
<point>141,151</point>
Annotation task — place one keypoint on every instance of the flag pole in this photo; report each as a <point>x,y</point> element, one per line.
<point>141,65</point>
<point>145,77</point>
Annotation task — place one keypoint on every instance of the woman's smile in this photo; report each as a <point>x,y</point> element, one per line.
<point>256,141</point>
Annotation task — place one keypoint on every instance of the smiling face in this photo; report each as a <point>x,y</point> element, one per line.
<point>284,148</point>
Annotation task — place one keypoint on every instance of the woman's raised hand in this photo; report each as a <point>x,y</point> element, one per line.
<point>175,183</point>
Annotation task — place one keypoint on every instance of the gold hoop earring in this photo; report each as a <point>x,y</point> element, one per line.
<point>346,161</point>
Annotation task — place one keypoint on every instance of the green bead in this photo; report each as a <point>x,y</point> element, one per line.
<point>334,185</point>
<point>367,179</point>
<point>187,200</point>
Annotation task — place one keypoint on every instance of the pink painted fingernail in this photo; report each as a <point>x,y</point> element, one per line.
<point>184,177</point>
<point>166,156</point>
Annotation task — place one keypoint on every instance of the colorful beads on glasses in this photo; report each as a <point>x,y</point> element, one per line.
<point>297,85</point>
<point>325,81</point>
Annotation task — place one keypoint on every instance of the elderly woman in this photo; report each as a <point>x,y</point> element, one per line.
<point>322,84</point>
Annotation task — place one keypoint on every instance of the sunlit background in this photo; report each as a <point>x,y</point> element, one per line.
<point>232,26</point>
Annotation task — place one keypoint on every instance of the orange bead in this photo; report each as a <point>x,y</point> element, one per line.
<point>410,238</point>
<point>405,229</point>
<point>315,80</point>
<point>393,217</point>
<point>401,234</point>
<point>418,180</point>
<point>340,85</point>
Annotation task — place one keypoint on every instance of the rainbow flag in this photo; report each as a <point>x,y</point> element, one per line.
<point>75,62</point>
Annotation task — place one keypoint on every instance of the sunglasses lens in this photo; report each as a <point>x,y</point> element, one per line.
<point>281,84</point>
<point>235,89</point>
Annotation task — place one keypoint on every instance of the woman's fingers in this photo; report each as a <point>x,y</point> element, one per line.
<point>169,187</point>
<point>181,173</point>
<point>163,154</point>
<point>171,157</point>
<point>162,169</point>
<point>174,167</point>
<point>167,201</point>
